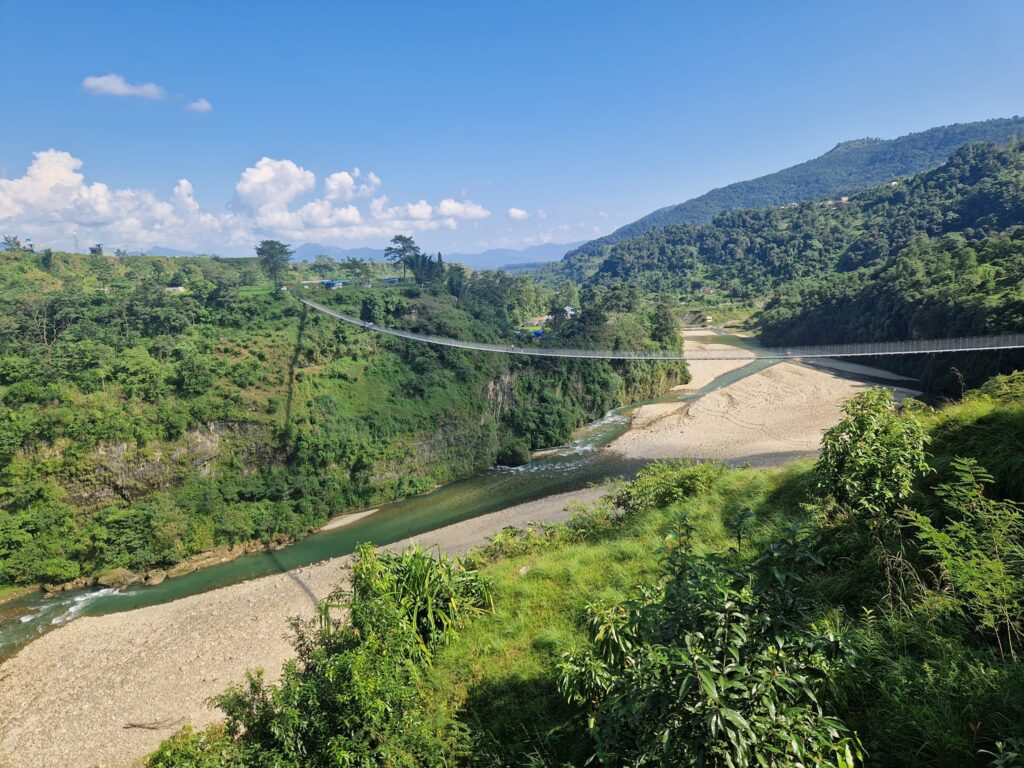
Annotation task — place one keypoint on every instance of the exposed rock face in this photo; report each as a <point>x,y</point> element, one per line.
<point>153,578</point>
<point>125,471</point>
<point>67,586</point>
<point>499,394</point>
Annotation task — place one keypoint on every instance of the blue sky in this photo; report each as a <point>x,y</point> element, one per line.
<point>580,116</point>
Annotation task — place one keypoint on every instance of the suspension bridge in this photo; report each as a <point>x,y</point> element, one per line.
<point>865,349</point>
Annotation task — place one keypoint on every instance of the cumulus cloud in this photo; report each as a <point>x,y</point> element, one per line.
<point>418,211</point>
<point>199,105</point>
<point>273,183</point>
<point>344,185</point>
<point>116,85</point>
<point>518,214</point>
<point>273,198</point>
<point>465,209</point>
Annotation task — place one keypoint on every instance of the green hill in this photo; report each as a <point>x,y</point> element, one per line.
<point>849,166</point>
<point>933,255</point>
<point>153,408</point>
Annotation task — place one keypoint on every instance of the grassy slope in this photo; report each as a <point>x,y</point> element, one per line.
<point>501,669</point>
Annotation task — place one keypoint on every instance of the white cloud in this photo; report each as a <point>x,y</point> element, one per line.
<point>199,105</point>
<point>420,211</point>
<point>116,85</point>
<point>52,201</point>
<point>466,209</point>
<point>344,185</point>
<point>518,214</point>
<point>273,183</point>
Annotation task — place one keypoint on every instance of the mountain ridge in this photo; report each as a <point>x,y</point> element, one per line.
<point>849,166</point>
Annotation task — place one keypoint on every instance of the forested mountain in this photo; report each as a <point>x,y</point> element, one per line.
<point>152,408</point>
<point>849,166</point>
<point>937,254</point>
<point>979,192</point>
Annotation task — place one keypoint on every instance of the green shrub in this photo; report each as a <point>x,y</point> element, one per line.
<point>705,671</point>
<point>515,452</point>
<point>870,460</point>
<point>664,483</point>
<point>353,696</point>
<point>980,552</point>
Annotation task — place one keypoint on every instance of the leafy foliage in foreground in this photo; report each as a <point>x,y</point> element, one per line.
<point>870,460</point>
<point>354,695</point>
<point>713,668</point>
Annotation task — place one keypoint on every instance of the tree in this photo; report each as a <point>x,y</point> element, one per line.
<point>357,268</point>
<point>273,257</point>
<point>44,318</point>
<point>664,325</point>
<point>192,372</point>
<point>49,261</point>
<point>96,250</point>
<point>324,266</point>
<point>403,249</point>
<point>12,243</point>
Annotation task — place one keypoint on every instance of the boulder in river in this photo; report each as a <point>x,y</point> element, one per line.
<point>117,578</point>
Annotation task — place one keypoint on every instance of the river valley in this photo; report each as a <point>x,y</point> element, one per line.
<point>115,672</point>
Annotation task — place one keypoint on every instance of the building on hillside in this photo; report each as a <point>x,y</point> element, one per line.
<point>175,289</point>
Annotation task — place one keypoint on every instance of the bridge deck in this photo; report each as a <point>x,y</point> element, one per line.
<point>867,349</point>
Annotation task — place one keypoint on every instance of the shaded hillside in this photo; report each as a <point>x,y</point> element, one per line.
<point>979,192</point>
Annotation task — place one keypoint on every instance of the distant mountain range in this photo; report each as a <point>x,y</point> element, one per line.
<point>161,251</point>
<point>507,257</point>
<point>490,259</point>
<point>848,167</point>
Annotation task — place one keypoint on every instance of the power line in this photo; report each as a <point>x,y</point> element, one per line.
<point>866,349</point>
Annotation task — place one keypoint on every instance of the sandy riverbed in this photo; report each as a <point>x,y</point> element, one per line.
<point>765,419</point>
<point>703,372</point>
<point>104,691</point>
